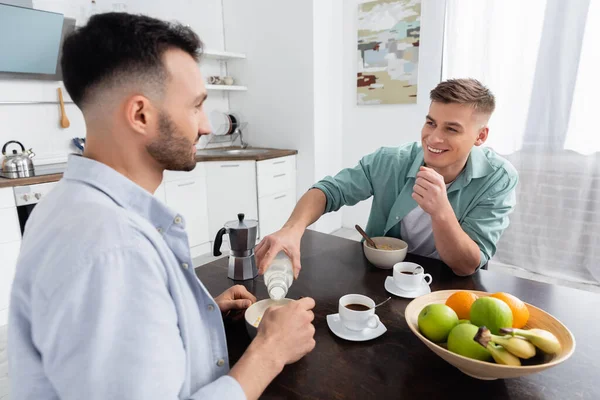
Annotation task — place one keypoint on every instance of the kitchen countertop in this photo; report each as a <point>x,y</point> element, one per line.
<point>215,154</point>
<point>265,154</point>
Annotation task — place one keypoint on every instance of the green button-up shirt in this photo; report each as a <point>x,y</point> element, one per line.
<point>482,196</point>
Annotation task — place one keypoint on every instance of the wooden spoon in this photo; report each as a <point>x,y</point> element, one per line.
<point>367,238</point>
<point>64,121</point>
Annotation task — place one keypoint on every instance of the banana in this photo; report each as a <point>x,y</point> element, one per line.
<point>499,353</point>
<point>542,339</point>
<point>517,346</point>
<point>520,347</point>
<point>503,356</point>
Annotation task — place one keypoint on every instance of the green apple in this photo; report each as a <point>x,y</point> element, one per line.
<point>460,341</point>
<point>492,313</point>
<point>436,321</point>
<point>464,321</point>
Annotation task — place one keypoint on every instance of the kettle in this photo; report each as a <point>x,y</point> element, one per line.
<point>242,240</point>
<point>17,165</point>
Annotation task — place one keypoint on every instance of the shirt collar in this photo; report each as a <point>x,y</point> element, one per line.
<point>120,189</point>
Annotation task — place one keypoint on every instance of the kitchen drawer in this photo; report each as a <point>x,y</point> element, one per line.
<point>7,198</point>
<point>276,166</point>
<point>10,230</point>
<point>278,182</point>
<point>275,210</point>
<point>199,171</point>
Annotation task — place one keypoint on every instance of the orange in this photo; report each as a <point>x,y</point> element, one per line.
<point>461,303</point>
<point>518,308</point>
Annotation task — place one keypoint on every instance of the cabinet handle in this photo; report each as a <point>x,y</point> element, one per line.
<point>279,176</point>
<point>230,166</point>
<point>279,162</point>
<point>186,184</point>
<point>280,197</point>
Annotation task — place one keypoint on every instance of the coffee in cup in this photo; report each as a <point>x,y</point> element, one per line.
<point>357,312</point>
<point>410,276</point>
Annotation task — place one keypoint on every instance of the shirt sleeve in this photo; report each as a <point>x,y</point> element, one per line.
<point>111,332</point>
<point>486,222</point>
<point>350,185</point>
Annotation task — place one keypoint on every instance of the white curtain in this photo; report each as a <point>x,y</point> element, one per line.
<point>539,58</point>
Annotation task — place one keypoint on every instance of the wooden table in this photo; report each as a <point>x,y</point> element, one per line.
<point>397,365</point>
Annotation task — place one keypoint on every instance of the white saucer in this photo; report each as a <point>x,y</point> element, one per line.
<point>391,287</point>
<point>336,326</point>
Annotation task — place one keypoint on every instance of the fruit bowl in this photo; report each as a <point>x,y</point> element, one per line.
<point>385,259</point>
<point>489,370</point>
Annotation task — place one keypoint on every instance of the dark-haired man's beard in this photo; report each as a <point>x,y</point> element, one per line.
<point>171,149</point>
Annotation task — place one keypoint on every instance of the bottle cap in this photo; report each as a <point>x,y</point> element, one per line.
<point>277,293</point>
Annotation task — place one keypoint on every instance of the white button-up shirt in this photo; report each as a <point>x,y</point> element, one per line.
<point>101,307</point>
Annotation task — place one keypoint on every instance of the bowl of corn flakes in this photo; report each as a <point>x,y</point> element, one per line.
<point>389,251</point>
<point>255,312</point>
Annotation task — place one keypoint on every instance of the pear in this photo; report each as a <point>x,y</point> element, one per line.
<point>542,339</point>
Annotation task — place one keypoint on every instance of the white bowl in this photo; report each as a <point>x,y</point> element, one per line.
<point>385,259</point>
<point>256,311</point>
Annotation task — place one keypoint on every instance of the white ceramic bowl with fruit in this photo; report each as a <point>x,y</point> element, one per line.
<point>389,251</point>
<point>558,346</point>
<point>255,312</point>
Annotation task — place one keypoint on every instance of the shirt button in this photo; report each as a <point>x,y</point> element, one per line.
<point>211,307</point>
<point>397,218</point>
<point>220,363</point>
<point>184,265</point>
<point>178,219</point>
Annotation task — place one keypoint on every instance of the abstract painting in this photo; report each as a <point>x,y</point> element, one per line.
<point>388,51</point>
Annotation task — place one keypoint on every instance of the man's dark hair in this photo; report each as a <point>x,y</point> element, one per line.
<point>115,48</point>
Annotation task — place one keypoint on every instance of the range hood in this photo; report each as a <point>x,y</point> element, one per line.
<point>30,42</point>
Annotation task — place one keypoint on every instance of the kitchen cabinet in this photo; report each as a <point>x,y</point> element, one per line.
<point>10,243</point>
<point>185,193</point>
<point>276,183</point>
<point>231,187</point>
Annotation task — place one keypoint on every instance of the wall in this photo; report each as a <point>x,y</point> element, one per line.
<point>277,38</point>
<point>37,126</point>
<point>366,128</point>
<point>328,100</point>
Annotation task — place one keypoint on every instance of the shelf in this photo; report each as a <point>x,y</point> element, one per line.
<point>222,55</point>
<point>231,88</point>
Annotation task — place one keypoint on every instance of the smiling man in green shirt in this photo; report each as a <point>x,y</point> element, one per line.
<point>447,197</point>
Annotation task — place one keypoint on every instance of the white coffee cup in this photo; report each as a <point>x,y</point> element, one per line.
<point>357,320</point>
<point>410,276</point>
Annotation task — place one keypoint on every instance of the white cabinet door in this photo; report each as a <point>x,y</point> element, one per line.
<point>274,211</point>
<point>188,197</point>
<point>231,190</point>
<point>9,252</point>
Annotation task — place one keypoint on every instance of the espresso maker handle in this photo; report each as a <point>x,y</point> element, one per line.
<point>219,242</point>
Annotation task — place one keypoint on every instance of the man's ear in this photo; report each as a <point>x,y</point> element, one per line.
<point>140,115</point>
<point>482,136</point>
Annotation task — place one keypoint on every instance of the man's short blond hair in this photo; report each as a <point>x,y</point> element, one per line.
<point>465,91</point>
